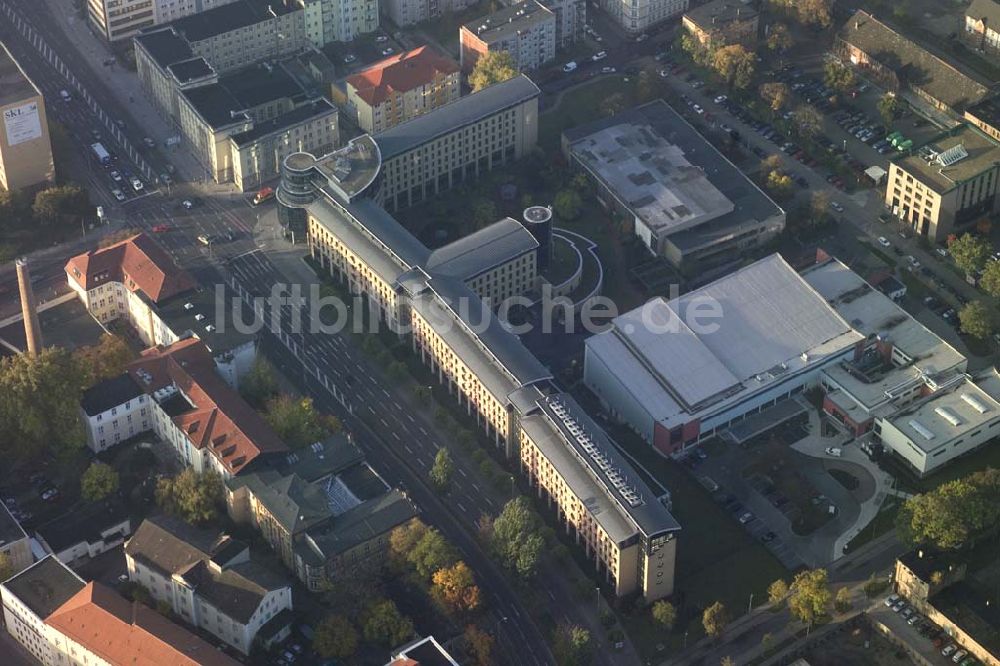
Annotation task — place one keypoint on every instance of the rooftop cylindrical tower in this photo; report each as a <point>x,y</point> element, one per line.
<point>538,220</point>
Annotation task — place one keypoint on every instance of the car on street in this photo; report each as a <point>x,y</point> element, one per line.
<point>608,70</point>
<point>912,261</point>
<point>381,39</point>
<point>834,451</point>
<point>388,51</point>
<point>148,142</point>
<point>50,494</point>
<point>136,184</point>
<point>115,175</point>
<point>914,619</point>
<point>600,55</point>
<point>187,204</point>
<point>959,656</point>
<point>664,73</point>
<point>769,537</point>
<point>746,518</point>
<point>835,205</point>
<point>721,99</point>
<point>95,135</point>
<point>205,239</point>
<point>883,241</point>
<point>123,578</point>
<point>66,97</point>
<point>349,58</point>
<point>161,228</point>
<point>118,194</point>
<point>697,109</point>
<point>569,67</point>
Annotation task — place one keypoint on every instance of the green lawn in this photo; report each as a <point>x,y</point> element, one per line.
<point>581,105</point>
<point>444,28</point>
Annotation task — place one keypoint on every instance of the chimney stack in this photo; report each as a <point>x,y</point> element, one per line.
<point>32,330</point>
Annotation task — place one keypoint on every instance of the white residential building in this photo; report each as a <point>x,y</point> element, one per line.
<point>196,572</point>
<point>636,16</point>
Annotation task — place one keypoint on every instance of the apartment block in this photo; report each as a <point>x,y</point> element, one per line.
<point>458,142</point>
<point>322,509</point>
<point>165,11</point>
<point>899,64</point>
<point>408,12</point>
<point>723,22</point>
<point>981,26</point>
<point>637,16</point>
<point>686,200</point>
<point>401,88</point>
<point>527,31</point>
<point>115,20</point>
<point>61,619</point>
<point>136,281</point>
<point>444,300</point>
<point>947,185</point>
<point>210,580</point>
<point>25,149</point>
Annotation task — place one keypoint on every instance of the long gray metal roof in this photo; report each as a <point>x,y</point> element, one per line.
<point>483,250</point>
<point>448,118</point>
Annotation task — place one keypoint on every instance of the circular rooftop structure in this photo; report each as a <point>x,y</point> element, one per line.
<point>537,214</point>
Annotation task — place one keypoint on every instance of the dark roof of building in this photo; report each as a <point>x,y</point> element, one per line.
<point>985,10</point>
<point>450,117</point>
<point>84,523</point>
<point>315,109</point>
<point>913,64</point>
<point>925,561</point>
<point>314,462</point>
<point>294,503</point>
<point>713,14</point>
<point>195,311</point>
<point>506,21</point>
<point>10,529</point>
<point>169,544</point>
<point>986,111</point>
<point>164,46</point>
<point>229,17</point>
<point>45,586</point>
<point>360,524</point>
<point>191,69</point>
<point>968,606</point>
<point>14,83</point>
<point>224,103</point>
<point>109,393</point>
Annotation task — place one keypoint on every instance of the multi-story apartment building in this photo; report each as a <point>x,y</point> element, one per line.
<point>14,542</point>
<point>636,16</point>
<point>339,20</point>
<point>985,116</point>
<point>243,125</point>
<point>982,26</point>
<point>114,411</point>
<point>165,11</point>
<point>686,200</point>
<point>135,280</point>
<point>115,20</point>
<point>197,573</point>
<point>899,64</point>
<point>444,299</point>
<point>723,22</point>
<point>527,31</point>
<point>61,619</point>
<point>457,142</point>
<point>322,509</point>
<point>25,149</point>
<point>189,405</point>
<point>946,185</point>
<point>408,12</point>
<point>401,88</point>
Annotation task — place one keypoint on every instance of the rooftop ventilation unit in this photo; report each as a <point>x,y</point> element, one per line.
<point>952,155</point>
<point>975,403</point>
<point>948,415</point>
<point>189,306</point>
<point>199,317</point>
<point>210,328</point>
<point>921,428</point>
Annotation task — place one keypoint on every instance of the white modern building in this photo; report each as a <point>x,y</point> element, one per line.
<point>209,580</point>
<point>86,532</point>
<point>636,16</point>
<point>114,411</point>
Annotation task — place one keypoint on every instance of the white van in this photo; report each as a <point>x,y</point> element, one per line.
<point>569,67</point>
<point>66,97</point>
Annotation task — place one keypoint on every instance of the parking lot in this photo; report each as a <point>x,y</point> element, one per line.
<point>921,635</point>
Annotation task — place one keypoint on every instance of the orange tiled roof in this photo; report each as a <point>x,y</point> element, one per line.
<point>399,73</point>
<point>124,632</point>
<point>137,262</point>
<point>220,420</point>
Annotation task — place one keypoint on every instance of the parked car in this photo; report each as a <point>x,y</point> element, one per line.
<point>746,518</point>
<point>891,600</point>
<point>569,67</point>
<point>834,451</point>
<point>161,228</point>
<point>883,241</point>
<point>600,55</point>
<point>118,194</point>
<point>836,206</point>
<point>959,656</point>
<point>948,649</point>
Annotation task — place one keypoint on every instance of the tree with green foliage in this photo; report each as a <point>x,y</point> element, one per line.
<point>807,121</point>
<point>956,514</point>
<point>105,360</point>
<point>572,645</point>
<point>484,212</point>
<point>65,202</point>
<point>889,108</point>
<point>842,600</point>
<point>838,76</point>
<point>40,402</point>
<point>819,207</point>
<point>492,67</point>
<point>191,496</point>
<point>776,94</point>
<point>990,279</point>
<point>714,619</point>
<point>430,553</point>
<point>442,470</point>
<point>777,591</point>
<point>335,638</point>
<point>779,38</point>
<point>567,204</point>
<point>969,252</point>
<point>664,614</point>
<point>814,13</point>
<point>382,623</point>
<point>809,595</point>
<point>977,319</point>
<point>727,661</point>
<point>98,481</point>
<point>260,383</point>
<point>516,538</point>
<point>736,65</point>
<point>297,422</point>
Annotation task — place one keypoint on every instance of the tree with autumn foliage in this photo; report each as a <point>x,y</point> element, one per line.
<point>735,64</point>
<point>454,588</point>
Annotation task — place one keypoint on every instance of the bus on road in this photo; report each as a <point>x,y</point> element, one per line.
<point>102,155</point>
